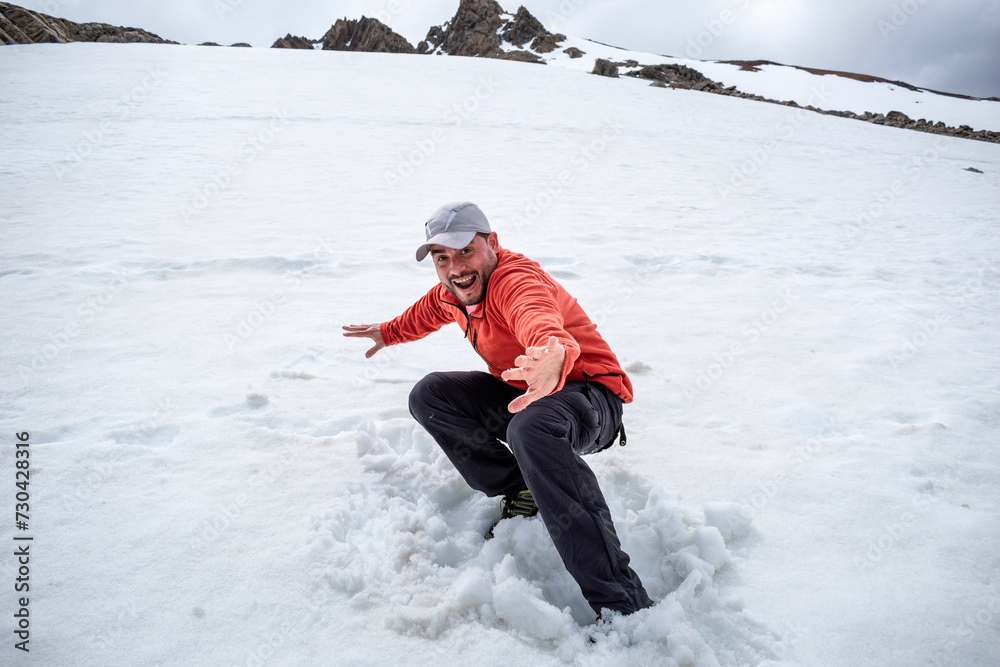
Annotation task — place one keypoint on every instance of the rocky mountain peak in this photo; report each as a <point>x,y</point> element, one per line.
<point>471,32</point>
<point>482,28</point>
<point>364,34</point>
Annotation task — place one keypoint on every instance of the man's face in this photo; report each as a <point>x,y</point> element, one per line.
<point>466,271</point>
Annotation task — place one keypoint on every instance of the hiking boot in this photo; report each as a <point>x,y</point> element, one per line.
<point>652,603</point>
<point>602,625</point>
<point>521,504</point>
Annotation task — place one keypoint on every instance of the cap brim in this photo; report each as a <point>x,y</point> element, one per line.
<point>454,240</point>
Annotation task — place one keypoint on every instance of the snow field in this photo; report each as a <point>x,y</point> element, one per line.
<point>807,306</point>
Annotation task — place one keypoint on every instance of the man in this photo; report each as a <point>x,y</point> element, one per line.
<point>554,392</point>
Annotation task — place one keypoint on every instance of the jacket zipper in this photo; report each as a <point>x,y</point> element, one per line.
<point>475,332</point>
<point>468,320</point>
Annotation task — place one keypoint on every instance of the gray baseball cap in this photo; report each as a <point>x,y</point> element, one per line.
<point>453,226</point>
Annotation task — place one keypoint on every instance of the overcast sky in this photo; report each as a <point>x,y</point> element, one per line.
<point>949,45</point>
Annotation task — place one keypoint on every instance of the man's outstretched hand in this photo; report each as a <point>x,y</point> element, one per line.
<point>541,368</point>
<point>372,331</point>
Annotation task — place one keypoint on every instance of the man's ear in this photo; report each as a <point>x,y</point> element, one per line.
<point>493,242</point>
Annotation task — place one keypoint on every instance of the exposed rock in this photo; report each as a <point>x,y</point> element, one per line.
<point>21,26</point>
<point>659,84</point>
<point>748,65</point>
<point>547,43</point>
<point>10,32</point>
<point>473,31</point>
<point>482,28</point>
<point>670,74</point>
<point>365,34</point>
<point>574,52</point>
<point>973,170</point>
<point>902,121</point>
<point>290,41</point>
<point>435,37</point>
<point>522,56</point>
<point>210,44</point>
<point>242,44</point>
<point>526,28</point>
<point>522,29</point>
<point>897,117</point>
<point>604,67</point>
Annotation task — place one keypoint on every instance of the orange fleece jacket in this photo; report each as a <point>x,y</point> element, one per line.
<point>523,307</point>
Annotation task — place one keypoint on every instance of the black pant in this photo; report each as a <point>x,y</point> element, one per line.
<point>466,413</point>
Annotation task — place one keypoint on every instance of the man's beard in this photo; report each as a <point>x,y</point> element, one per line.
<point>478,295</point>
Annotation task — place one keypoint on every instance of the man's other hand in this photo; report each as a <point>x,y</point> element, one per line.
<point>541,368</point>
<point>372,331</point>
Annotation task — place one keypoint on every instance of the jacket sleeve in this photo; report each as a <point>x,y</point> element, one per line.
<point>424,317</point>
<point>533,315</point>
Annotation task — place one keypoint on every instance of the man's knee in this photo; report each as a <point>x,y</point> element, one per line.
<point>520,428</point>
<point>423,391</point>
<point>536,425</point>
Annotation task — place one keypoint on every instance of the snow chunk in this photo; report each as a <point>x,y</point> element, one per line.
<point>731,519</point>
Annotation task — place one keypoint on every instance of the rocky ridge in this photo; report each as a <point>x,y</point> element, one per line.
<point>755,66</point>
<point>679,76</point>
<point>22,26</point>
<point>364,34</point>
<point>290,41</point>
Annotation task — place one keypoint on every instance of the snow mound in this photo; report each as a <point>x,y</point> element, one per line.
<point>731,519</point>
<point>408,541</point>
